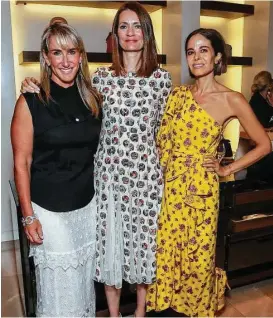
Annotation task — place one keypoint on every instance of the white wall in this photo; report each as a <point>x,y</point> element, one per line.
<point>7,102</point>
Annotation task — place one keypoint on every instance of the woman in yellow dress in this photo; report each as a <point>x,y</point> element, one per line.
<point>191,129</point>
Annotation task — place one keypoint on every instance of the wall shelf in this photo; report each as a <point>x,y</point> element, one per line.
<point>226,9</point>
<point>150,6</point>
<point>240,60</point>
<point>26,57</point>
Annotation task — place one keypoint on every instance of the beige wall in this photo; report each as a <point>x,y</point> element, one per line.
<point>256,35</point>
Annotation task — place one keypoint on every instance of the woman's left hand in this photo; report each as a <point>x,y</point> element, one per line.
<point>212,164</point>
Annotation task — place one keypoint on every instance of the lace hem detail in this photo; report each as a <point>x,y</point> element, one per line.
<point>89,312</point>
<point>64,260</point>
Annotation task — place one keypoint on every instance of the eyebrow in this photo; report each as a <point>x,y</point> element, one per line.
<point>124,22</point>
<point>201,47</point>
<point>68,49</point>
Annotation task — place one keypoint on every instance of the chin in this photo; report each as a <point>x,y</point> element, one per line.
<point>132,49</point>
<point>198,73</point>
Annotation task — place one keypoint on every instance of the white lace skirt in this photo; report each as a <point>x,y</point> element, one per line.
<point>65,262</point>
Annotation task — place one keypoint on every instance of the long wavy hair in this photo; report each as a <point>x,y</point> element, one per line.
<point>64,34</point>
<point>148,61</point>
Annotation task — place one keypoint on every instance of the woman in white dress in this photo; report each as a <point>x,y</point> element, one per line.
<point>54,137</point>
<point>128,179</point>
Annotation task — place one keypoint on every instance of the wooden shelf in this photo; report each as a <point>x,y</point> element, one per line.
<point>150,6</point>
<point>226,9</point>
<point>26,57</point>
<point>240,60</point>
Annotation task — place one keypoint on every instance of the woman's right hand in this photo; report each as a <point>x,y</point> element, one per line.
<point>34,232</point>
<point>30,85</point>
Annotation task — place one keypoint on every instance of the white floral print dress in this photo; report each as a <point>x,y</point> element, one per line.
<point>128,178</point>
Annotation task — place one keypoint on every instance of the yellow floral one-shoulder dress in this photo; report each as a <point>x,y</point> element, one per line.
<point>186,279</point>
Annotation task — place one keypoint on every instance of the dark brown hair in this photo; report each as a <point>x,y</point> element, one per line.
<point>218,44</point>
<point>149,53</point>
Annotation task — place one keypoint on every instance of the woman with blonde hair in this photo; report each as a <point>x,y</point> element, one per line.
<point>54,137</point>
<point>261,100</point>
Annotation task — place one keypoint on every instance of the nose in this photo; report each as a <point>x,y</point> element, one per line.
<point>130,31</point>
<point>196,56</point>
<point>65,60</point>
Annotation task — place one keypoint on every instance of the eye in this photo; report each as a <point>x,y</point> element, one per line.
<point>56,53</point>
<point>204,50</point>
<point>189,52</point>
<point>72,52</point>
<point>122,26</point>
<point>138,26</point>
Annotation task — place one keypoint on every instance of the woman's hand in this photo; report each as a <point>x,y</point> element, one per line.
<point>212,164</point>
<point>30,85</point>
<point>34,232</point>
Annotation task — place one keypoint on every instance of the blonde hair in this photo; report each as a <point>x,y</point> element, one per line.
<point>65,33</point>
<point>261,81</point>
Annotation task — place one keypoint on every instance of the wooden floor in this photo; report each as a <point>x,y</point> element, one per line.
<point>254,300</point>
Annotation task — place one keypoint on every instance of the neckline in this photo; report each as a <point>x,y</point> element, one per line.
<point>203,109</point>
<point>57,86</point>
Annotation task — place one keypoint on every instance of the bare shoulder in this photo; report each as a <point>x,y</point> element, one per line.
<point>236,99</point>
<point>21,107</point>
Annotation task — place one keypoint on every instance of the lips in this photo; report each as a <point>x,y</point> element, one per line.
<point>198,65</point>
<point>66,70</point>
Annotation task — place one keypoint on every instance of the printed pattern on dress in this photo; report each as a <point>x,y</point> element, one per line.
<point>128,176</point>
<point>187,279</point>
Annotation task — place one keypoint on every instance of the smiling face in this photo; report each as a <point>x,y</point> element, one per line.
<point>201,56</point>
<point>130,33</point>
<point>64,62</point>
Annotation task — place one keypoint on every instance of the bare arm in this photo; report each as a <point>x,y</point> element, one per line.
<point>30,85</point>
<point>22,144</point>
<point>256,132</point>
<point>242,110</point>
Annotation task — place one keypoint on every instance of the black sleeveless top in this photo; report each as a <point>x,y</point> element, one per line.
<point>65,140</point>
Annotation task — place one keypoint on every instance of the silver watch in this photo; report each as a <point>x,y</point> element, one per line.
<point>29,219</point>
